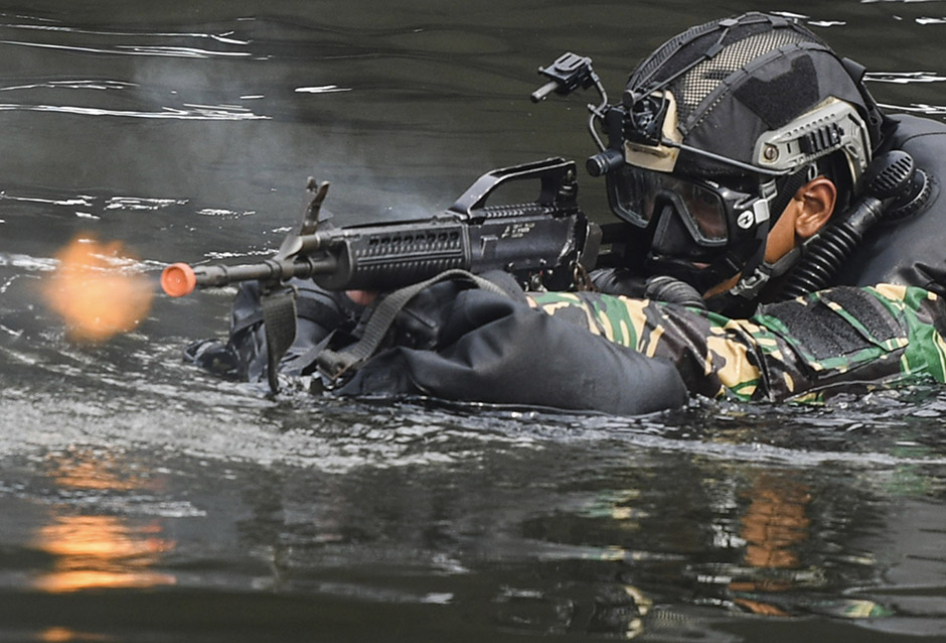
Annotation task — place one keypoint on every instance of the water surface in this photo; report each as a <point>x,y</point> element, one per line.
<point>143,500</point>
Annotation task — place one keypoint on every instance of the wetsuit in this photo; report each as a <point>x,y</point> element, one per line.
<point>460,343</point>
<point>911,251</point>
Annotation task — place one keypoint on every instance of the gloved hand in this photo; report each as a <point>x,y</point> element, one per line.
<point>673,291</point>
<point>625,283</point>
<point>618,281</point>
<point>244,356</point>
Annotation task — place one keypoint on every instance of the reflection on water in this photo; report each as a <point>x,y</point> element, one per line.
<point>63,635</point>
<point>96,551</point>
<point>773,526</point>
<point>99,552</point>
<point>775,522</point>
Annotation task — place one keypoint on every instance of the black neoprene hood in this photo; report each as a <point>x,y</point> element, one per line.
<point>736,79</point>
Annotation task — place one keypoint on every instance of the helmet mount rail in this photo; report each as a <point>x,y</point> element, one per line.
<point>567,73</point>
<point>833,125</point>
<point>570,72</point>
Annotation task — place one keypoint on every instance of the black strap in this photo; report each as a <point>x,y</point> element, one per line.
<point>334,364</point>
<point>320,310</point>
<point>247,322</point>
<point>279,319</point>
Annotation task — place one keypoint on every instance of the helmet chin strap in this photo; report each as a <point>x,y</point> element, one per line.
<point>742,298</point>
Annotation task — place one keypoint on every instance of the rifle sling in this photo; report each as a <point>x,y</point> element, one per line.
<point>315,311</point>
<point>334,364</point>
<point>279,319</point>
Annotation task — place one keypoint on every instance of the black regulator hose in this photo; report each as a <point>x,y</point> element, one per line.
<point>889,176</point>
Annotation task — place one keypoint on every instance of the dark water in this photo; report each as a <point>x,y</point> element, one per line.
<point>144,501</point>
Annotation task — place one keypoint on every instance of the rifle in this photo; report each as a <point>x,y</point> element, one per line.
<point>545,244</point>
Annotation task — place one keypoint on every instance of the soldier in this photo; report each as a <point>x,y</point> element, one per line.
<point>754,166</point>
<point>750,165</point>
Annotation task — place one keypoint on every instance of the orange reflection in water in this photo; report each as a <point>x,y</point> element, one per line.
<point>775,523</point>
<point>63,634</point>
<point>89,472</point>
<point>98,551</point>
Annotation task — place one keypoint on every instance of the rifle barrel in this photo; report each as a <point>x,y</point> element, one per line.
<point>180,279</point>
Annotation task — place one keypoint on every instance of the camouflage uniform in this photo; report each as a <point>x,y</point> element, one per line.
<point>796,349</point>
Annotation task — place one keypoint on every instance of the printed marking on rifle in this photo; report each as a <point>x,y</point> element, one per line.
<point>517,230</point>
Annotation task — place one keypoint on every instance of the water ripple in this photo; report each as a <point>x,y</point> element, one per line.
<point>324,89</point>
<point>904,77</point>
<point>222,37</point>
<point>917,108</point>
<point>179,52</point>
<point>225,213</point>
<point>186,111</point>
<point>27,262</point>
<point>141,203</point>
<point>79,200</point>
<point>132,50</point>
<point>226,38</point>
<point>101,85</point>
<point>221,113</point>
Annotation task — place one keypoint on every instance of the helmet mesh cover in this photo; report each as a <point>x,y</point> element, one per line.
<point>737,78</point>
<point>699,82</point>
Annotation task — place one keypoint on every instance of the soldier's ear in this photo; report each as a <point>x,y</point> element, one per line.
<point>817,199</point>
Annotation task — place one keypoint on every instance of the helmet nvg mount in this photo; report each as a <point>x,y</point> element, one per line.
<point>752,100</point>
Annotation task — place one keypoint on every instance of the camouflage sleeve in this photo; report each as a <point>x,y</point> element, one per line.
<point>791,350</point>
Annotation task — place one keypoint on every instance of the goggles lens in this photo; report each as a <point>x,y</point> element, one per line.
<point>638,195</point>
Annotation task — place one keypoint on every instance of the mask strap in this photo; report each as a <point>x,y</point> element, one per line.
<point>756,272</point>
<point>781,266</point>
<point>790,186</point>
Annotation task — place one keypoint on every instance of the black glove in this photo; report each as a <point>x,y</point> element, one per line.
<point>624,283</point>
<point>619,281</point>
<point>673,291</point>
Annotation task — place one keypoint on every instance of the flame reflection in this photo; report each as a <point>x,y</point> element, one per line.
<point>63,634</point>
<point>98,551</point>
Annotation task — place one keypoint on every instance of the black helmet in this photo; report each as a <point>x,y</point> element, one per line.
<point>723,124</point>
